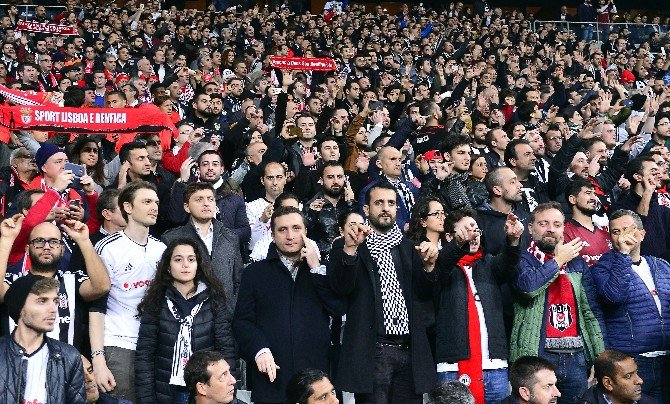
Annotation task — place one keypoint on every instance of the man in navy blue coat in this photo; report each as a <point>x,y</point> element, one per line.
<point>283,310</point>
<point>633,292</point>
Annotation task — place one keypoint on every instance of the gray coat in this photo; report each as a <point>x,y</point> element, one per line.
<point>225,259</point>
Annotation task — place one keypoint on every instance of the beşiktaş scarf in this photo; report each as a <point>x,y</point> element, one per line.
<point>404,191</point>
<point>394,307</point>
<point>182,347</point>
<point>561,328</point>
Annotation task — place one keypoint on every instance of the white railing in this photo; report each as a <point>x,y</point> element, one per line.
<point>599,31</point>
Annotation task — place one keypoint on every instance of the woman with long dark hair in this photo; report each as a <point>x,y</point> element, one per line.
<point>86,151</point>
<point>427,221</point>
<point>183,311</point>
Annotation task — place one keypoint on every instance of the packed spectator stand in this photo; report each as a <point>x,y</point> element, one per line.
<point>259,202</point>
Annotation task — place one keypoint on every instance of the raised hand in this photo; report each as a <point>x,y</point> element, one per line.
<point>428,252</point>
<point>309,253</point>
<point>11,227</point>
<point>564,253</point>
<point>354,235</point>
<point>77,230</point>
<point>513,229</point>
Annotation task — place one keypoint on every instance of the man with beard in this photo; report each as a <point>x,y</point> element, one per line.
<point>306,183</point>
<point>201,115</point>
<point>645,179</point>
<point>324,209</point>
<point>553,317</point>
<point>581,195</point>
<point>385,355</point>
<point>232,102</point>
<point>633,291</point>
<point>572,160</point>
<point>533,381</point>
<point>45,249</point>
<point>230,208</point>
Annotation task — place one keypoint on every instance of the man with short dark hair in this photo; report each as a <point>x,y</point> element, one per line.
<point>581,196</point>
<point>642,198</point>
<point>519,156</point>
<point>453,392</point>
<point>533,381</point>
<point>33,367</point>
<point>209,380</point>
<point>324,209</point>
<point>136,167</point>
<point>386,279</point>
<point>633,291</point>
<point>618,380</point>
<point>283,311</point>
<point>131,257</point>
<point>311,386</point>
<point>220,243</point>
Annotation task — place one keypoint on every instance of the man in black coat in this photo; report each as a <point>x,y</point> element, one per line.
<point>469,279</point>
<point>618,380</point>
<point>385,355</point>
<point>281,320</point>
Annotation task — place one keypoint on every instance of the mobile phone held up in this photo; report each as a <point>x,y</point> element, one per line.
<point>79,171</point>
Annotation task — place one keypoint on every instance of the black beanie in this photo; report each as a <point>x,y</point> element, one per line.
<point>17,294</point>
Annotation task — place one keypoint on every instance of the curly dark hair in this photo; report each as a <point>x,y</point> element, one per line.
<point>153,300</point>
<point>97,172</point>
<point>416,232</point>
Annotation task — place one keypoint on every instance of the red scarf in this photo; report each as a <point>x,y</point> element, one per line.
<point>470,370</point>
<point>561,328</point>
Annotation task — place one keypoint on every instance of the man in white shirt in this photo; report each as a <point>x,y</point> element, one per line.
<point>633,294</point>
<point>259,211</point>
<point>131,257</point>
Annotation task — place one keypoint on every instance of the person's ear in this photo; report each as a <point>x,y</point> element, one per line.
<point>524,393</point>
<point>572,200</point>
<point>201,389</point>
<point>379,163</point>
<point>607,383</point>
<point>366,210</point>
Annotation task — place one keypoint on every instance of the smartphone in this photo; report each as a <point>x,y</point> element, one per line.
<point>295,131</point>
<point>79,171</point>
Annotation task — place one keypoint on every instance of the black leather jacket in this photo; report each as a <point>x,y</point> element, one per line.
<point>65,373</point>
<point>322,225</point>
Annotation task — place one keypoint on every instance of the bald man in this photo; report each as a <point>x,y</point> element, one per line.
<point>389,162</point>
<point>45,249</point>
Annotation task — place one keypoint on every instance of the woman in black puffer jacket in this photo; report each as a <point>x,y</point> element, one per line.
<point>183,311</point>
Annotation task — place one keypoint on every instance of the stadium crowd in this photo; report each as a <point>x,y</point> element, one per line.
<point>469,199</point>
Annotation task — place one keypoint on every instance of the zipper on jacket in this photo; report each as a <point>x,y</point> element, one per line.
<point>630,324</point>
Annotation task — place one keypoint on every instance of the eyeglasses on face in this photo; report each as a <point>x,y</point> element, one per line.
<point>41,242</point>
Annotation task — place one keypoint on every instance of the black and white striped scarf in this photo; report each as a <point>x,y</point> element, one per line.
<point>394,307</point>
<point>183,345</point>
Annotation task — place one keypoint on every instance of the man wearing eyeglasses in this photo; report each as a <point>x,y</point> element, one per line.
<point>45,250</point>
<point>471,344</point>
